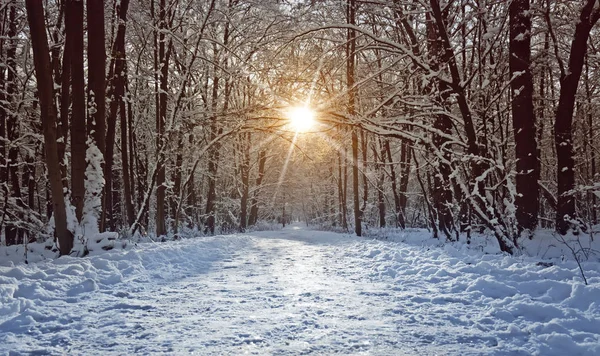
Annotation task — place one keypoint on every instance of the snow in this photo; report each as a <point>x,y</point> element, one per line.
<point>298,291</point>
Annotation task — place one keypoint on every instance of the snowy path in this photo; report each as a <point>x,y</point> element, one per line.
<point>295,292</point>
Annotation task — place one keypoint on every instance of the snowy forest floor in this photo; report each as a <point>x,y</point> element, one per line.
<point>298,291</point>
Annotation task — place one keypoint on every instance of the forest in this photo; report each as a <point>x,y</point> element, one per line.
<point>174,117</point>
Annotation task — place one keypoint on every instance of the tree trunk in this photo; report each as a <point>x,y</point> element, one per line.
<point>377,148</point>
<point>350,63</point>
<point>523,117</point>
<point>78,130</point>
<point>128,197</point>
<point>563,125</point>
<point>592,199</point>
<point>12,130</point>
<point>215,130</point>
<point>441,193</point>
<point>163,56</point>
<point>405,164</point>
<point>65,97</point>
<point>262,159</point>
<point>41,56</point>
<point>176,177</point>
<point>244,172</point>
<point>97,67</point>
<point>400,220</point>
<point>118,81</point>
<point>96,87</point>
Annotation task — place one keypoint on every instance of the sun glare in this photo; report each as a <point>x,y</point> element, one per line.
<point>301,118</point>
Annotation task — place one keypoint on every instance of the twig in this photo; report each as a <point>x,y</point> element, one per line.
<point>562,239</point>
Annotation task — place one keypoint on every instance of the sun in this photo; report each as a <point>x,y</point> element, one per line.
<point>301,118</point>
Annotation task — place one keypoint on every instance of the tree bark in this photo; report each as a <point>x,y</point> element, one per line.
<point>96,124</point>
<point>41,57</point>
<point>244,172</point>
<point>78,129</point>
<point>262,159</point>
<point>350,74</point>
<point>563,125</point>
<point>163,55</point>
<point>523,116</point>
<point>97,67</point>
<point>400,221</point>
<point>215,130</point>
<point>12,130</point>
<point>379,150</point>
<point>441,193</point>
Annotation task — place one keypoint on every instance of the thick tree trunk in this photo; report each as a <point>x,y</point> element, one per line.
<point>97,68</point>
<point>523,117</point>
<point>96,88</point>
<point>563,125</point>
<point>41,57</point>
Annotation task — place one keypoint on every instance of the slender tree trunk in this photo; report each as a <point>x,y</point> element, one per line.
<point>380,179</point>
<point>262,160</point>
<point>65,96</point>
<point>128,197</point>
<point>215,130</point>
<point>244,172</point>
<point>118,79</point>
<point>213,157</point>
<point>12,129</point>
<point>62,80</point>
<point>350,63</point>
<point>41,57</point>
<point>364,148</point>
<point>405,164</point>
<point>177,171</point>
<point>523,117</point>
<point>592,199</point>
<point>441,193</point>
<point>400,221</point>
<point>78,129</point>
<point>163,56</point>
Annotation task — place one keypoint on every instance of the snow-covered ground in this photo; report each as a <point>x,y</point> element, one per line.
<point>298,291</point>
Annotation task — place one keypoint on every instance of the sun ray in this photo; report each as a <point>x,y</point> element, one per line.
<point>285,165</point>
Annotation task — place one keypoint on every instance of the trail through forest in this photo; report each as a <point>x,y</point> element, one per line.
<point>296,291</point>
